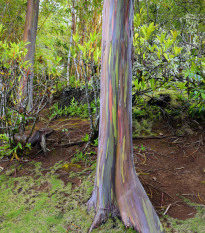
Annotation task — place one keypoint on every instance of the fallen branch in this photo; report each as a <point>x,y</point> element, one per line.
<point>39,136</point>
<point>79,143</point>
<point>157,137</point>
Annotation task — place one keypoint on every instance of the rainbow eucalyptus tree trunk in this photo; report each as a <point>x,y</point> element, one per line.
<point>30,31</point>
<point>71,41</point>
<point>117,188</point>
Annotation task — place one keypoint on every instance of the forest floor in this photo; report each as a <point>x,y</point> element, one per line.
<point>48,192</point>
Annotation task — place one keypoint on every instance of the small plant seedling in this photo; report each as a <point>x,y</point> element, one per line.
<point>95,142</point>
<point>141,148</point>
<point>86,138</point>
<point>79,156</point>
<point>64,130</point>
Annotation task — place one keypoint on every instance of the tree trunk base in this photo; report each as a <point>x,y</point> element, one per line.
<point>92,201</point>
<point>102,215</point>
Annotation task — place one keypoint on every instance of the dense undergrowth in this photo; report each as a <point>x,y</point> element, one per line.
<point>74,109</point>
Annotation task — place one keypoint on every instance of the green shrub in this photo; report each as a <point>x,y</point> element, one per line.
<point>74,109</point>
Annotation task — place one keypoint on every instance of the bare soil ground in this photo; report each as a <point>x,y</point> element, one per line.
<point>172,168</point>
<point>169,167</point>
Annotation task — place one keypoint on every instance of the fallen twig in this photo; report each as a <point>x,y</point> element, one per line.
<point>167,208</point>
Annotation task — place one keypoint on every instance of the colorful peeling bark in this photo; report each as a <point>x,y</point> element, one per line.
<point>30,31</point>
<point>117,187</point>
<point>71,42</point>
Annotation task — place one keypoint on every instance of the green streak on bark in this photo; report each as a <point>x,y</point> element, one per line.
<point>122,161</point>
<point>98,177</point>
<point>148,216</point>
<point>110,53</point>
<point>159,223</point>
<point>112,194</point>
<point>103,170</point>
<point>114,117</point>
<point>107,147</point>
<point>98,167</point>
<point>125,89</point>
<point>111,147</point>
<point>107,102</point>
<point>117,70</point>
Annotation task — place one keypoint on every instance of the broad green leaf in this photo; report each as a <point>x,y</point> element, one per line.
<point>152,83</point>
<point>203,95</point>
<point>174,34</point>
<point>166,56</point>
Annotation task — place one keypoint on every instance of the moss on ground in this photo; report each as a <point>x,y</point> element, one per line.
<point>43,203</point>
<point>191,225</point>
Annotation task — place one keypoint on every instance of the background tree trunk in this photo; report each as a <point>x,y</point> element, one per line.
<point>71,41</point>
<point>30,31</point>
<point>117,187</point>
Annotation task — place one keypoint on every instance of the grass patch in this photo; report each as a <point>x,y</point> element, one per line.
<point>43,203</point>
<point>191,225</point>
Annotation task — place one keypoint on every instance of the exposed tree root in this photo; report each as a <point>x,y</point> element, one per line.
<point>135,207</point>
<point>92,201</point>
<point>102,215</point>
